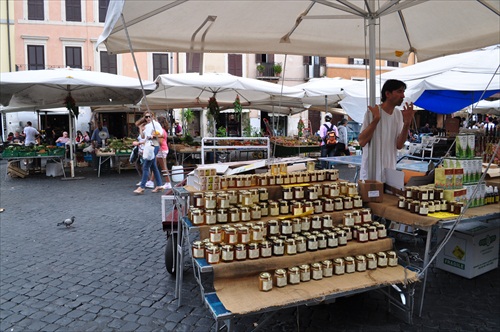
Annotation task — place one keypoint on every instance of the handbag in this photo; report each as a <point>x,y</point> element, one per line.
<point>148,153</point>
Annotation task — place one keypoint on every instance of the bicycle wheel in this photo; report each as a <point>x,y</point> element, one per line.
<point>171,253</point>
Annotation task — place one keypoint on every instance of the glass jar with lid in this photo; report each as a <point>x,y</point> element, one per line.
<point>223,201</point>
<point>347,201</point>
<point>431,207</point>
<point>210,217</point>
<point>371,261</point>
<point>244,235</point>
<point>357,202</point>
<point>198,217</point>
<point>316,222</point>
<point>382,231</point>
<point>334,190</point>
<point>227,253</point>
<point>401,202</point>
<point>293,275</point>
<point>278,247</point>
<point>245,214</point>
<point>265,282</point>
<point>366,215</point>
<point>290,246</point>
<point>198,249</point>
<point>263,194</point>
<point>312,242</point>
<point>372,233</point>
<point>231,235</point>
<point>266,249</point>
<point>212,254</point>
<point>273,227</point>
<point>298,193</point>
<point>342,237</point>
<point>286,227</point>
<point>338,266</point>
<point>392,258</point>
<point>296,225</point>
<point>274,209</point>
<point>348,232</point>
<point>280,278</point>
<point>297,208</point>
<point>255,212</point>
<point>328,205</point>
<point>234,215</point>
<point>222,216</point>
<point>257,233</point>
<point>322,242</point>
<point>254,192</point>
<point>284,207</point>
<point>350,265</point>
<point>305,272</point>
<point>327,221</point>
<point>332,240</point>
<point>343,187</point>
<point>362,234</point>
<point>316,271</point>
<point>240,252</point>
<point>360,263</point>
<point>253,250</point>
<point>321,175</point>
<point>381,259</point>
<point>312,193</point>
<point>216,234</point>
<point>308,207</point>
<point>318,206</point>
<point>301,244</point>
<point>348,219</point>
<point>305,224</point>
<point>198,200</point>
<point>338,203</point>
<point>210,200</point>
<point>352,190</point>
<point>287,193</point>
<point>327,266</point>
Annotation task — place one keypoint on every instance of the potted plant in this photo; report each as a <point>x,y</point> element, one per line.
<point>260,69</point>
<point>277,69</point>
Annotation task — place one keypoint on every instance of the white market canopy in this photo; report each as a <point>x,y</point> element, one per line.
<point>306,27</point>
<point>485,107</point>
<point>444,85</point>
<point>194,90</point>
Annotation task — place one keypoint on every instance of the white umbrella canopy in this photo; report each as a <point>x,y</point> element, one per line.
<point>307,27</point>
<point>194,90</point>
<point>324,91</point>
<point>444,85</point>
<point>485,107</point>
<point>50,88</point>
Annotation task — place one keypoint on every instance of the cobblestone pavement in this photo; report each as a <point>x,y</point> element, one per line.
<point>106,273</point>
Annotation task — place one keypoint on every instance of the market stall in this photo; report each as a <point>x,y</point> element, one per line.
<point>50,155</point>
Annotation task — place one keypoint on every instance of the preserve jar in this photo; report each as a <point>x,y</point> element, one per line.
<point>358,220</point>
<point>263,194</point>
<point>316,222</point>
<point>245,213</point>
<point>408,193</point>
<point>327,221</point>
<point>312,193</point>
<point>255,195</point>
<point>231,235</point>
<point>401,202</point>
<point>293,275</point>
<point>316,271</point>
<point>298,193</point>
<point>227,253</point>
<point>257,234</point>
<point>392,258</point>
<point>240,252</point>
<point>382,231</point>
<point>424,209</point>
<point>343,187</point>
<point>366,215</point>
<point>216,234</point>
<point>284,208</point>
<point>334,190</point>
<point>339,204</point>
<point>198,217</point>
<point>360,263</point>
<point>352,190</point>
<point>371,261</point>
<point>248,180</point>
<point>296,225</point>
<point>222,216</point>
<point>278,247</point>
<point>348,219</point>
<point>287,193</point>
<point>430,192</point>
<point>338,266</point>
<point>318,206</point>
<point>290,247</point>
<point>372,233</point>
<point>210,200</point>
<point>210,217</point>
<point>342,237</point>
<point>350,265</point>
<point>321,175</point>
<point>362,235</point>
<point>348,233</point>
<point>266,249</point>
<point>265,282</point>
<point>327,266</point>
<point>244,235</point>
<point>255,212</point>
<point>301,244</point>
<point>308,207</point>
<point>357,202</point>
<point>273,227</point>
<point>274,208</point>
<point>280,278</point>
<point>431,208</point>
<point>286,227</point>
<point>212,254</point>
<point>305,272</point>
<point>381,259</point>
<point>253,250</point>
<point>198,249</point>
<point>198,200</point>
<point>355,230</point>
<point>234,215</point>
<point>328,205</point>
<point>312,243</point>
<point>347,203</point>
<point>322,242</point>
<point>305,224</point>
<point>264,209</point>
<point>223,201</point>
<point>297,208</point>
<point>332,240</point>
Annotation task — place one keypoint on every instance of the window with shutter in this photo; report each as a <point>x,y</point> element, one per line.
<point>73,11</point>
<point>103,9</point>
<point>108,62</point>
<point>36,59</point>
<point>73,57</point>
<point>160,64</point>
<point>234,64</point>
<point>35,10</point>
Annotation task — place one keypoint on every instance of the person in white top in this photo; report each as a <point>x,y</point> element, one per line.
<point>384,131</point>
<point>342,142</point>
<point>30,134</point>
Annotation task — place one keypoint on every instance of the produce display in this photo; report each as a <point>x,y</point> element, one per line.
<point>123,145</point>
<point>16,150</point>
<point>291,141</point>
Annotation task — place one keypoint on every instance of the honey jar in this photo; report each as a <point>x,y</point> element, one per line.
<point>312,193</point>
<point>244,236</point>
<point>287,193</point>
<point>343,187</point>
<point>298,193</point>
<point>366,215</point>
<point>255,195</point>
<point>332,240</point>
<point>437,206</point>
<point>438,194</point>
<point>322,242</point>
<point>223,201</point>
<point>278,247</point>
<point>293,275</point>
<point>327,221</point>
<point>334,191</point>
<point>381,259</point>
<point>352,190</point>
<point>255,212</point>
<point>284,207</point>
<point>430,193</point>
<point>297,208</point>
<point>382,231</point>
<point>198,217</point>
<point>280,278</point>
<point>290,247</point>
<point>305,224</point>
<point>416,207</point>
<point>327,267</point>
<point>350,265</point>
<point>312,243</point>
<point>198,249</point>
<point>308,207</point>
<point>316,271</point>
<point>348,233</point>
<point>339,204</point>
<point>356,215</point>
<point>409,203</point>
<point>338,266</point>
<point>392,258</point>
<point>306,177</point>
<point>357,202</point>
<point>305,272</point>
<point>253,250</point>
<point>273,227</point>
<point>212,254</point>
<point>274,209</point>
<point>245,198</point>
<point>230,235</point>
<point>342,237</point>
<point>408,193</point>
<point>210,217</point>
<point>362,235</point>
<point>222,216</point>
<point>401,202</point>
<point>313,176</point>
<point>328,205</point>
<point>265,282</point>
<point>234,214</point>
<point>347,203</point>
<point>198,200</point>
<point>348,219</point>
<point>321,175</point>
<point>240,252</point>
<point>444,205</point>
<point>296,225</point>
<point>316,223</point>
<point>301,244</point>
<point>372,233</point>
<point>432,207</point>
<point>286,227</point>
<point>216,234</point>
<point>424,209</point>
<point>263,194</point>
<point>360,263</point>
<point>423,194</point>
<point>210,200</point>
<point>266,249</point>
<point>257,234</point>
<point>245,214</point>
<point>248,181</point>
<point>371,261</point>
<point>318,206</point>
<point>227,253</point>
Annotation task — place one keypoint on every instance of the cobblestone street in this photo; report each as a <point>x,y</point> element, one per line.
<point>107,272</point>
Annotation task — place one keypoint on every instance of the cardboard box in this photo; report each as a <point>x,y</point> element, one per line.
<point>371,191</point>
<point>472,250</point>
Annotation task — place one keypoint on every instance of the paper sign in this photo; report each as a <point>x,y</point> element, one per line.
<point>373,193</point>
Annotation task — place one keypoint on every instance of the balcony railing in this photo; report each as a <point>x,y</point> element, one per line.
<point>24,67</point>
<point>268,70</point>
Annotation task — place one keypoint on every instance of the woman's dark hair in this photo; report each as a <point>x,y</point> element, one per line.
<point>389,86</point>
<point>164,123</point>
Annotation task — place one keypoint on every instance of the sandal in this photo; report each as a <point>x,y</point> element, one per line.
<point>139,191</point>
<point>157,189</point>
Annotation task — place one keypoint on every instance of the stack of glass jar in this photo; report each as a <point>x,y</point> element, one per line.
<point>325,269</point>
<point>425,200</point>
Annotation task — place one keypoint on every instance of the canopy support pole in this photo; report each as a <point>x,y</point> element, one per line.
<point>372,99</point>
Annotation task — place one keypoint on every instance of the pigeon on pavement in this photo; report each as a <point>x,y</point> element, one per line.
<point>67,222</point>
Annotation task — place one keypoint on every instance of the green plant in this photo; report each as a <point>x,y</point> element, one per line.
<point>221,132</point>
<point>277,68</point>
<point>260,68</point>
<point>187,118</point>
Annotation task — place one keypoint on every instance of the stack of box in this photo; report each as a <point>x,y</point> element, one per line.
<point>206,178</point>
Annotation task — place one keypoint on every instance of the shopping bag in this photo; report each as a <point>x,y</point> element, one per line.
<point>148,153</point>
